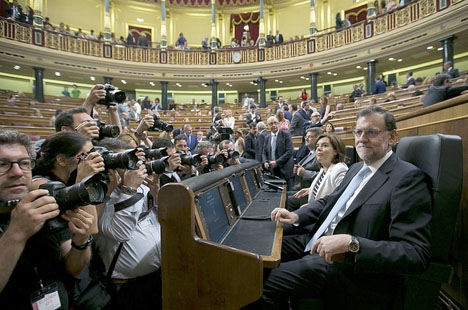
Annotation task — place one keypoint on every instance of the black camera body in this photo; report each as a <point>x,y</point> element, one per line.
<point>233,153</point>
<point>155,153</point>
<point>113,96</point>
<point>215,159</point>
<point>189,159</point>
<point>160,125</point>
<point>90,191</point>
<point>224,133</point>
<point>157,166</point>
<point>107,131</point>
<point>123,160</point>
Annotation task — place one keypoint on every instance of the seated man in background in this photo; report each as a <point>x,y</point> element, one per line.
<point>368,233</point>
<point>441,90</point>
<point>34,260</point>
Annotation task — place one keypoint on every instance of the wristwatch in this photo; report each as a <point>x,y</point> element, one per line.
<point>353,245</point>
<point>128,190</point>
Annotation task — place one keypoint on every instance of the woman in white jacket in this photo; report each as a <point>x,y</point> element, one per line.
<point>330,154</point>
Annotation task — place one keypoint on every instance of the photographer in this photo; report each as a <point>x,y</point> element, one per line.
<point>226,147</point>
<point>105,95</point>
<point>67,157</point>
<point>173,161</point>
<point>34,261</point>
<point>185,171</point>
<point>130,218</point>
<point>210,160</point>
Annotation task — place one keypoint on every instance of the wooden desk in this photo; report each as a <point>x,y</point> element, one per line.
<point>199,273</point>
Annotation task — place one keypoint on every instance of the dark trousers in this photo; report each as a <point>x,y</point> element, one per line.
<point>139,294</point>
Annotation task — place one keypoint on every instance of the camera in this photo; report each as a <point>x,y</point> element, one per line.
<point>157,166</point>
<point>160,125</point>
<point>213,159</point>
<point>154,153</point>
<point>112,96</point>
<point>123,160</point>
<point>233,153</point>
<point>189,159</point>
<point>90,191</point>
<point>107,131</point>
<point>224,133</point>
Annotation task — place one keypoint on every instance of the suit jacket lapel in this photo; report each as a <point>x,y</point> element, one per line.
<point>373,185</point>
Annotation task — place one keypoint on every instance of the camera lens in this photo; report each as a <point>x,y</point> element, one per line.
<point>123,160</point>
<point>161,125</point>
<point>157,166</point>
<point>233,154</point>
<point>215,159</point>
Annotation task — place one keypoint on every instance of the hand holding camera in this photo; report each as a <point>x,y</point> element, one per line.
<point>134,178</point>
<point>89,129</point>
<point>89,164</point>
<point>30,214</point>
<point>79,223</point>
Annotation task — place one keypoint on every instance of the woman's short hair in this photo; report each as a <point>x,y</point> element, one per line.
<point>337,144</point>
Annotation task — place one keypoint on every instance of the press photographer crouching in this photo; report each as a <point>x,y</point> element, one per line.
<point>35,261</point>
<point>129,232</point>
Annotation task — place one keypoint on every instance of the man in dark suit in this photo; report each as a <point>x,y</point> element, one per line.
<point>253,116</point>
<point>278,152</point>
<point>262,134</point>
<point>14,11</point>
<point>173,162</point>
<point>450,70</point>
<point>307,167</point>
<point>409,80</point>
<point>379,86</point>
<point>298,119</point>
<point>270,39</point>
<point>278,37</point>
<point>192,140</point>
<point>441,90</point>
<point>250,142</point>
<point>381,232</point>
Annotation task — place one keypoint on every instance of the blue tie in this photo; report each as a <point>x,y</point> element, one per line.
<point>339,205</point>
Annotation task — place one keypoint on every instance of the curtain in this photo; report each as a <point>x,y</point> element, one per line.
<point>357,14</point>
<point>139,31</point>
<point>239,21</point>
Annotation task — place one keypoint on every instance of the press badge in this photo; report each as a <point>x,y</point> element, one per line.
<point>146,223</point>
<point>47,298</point>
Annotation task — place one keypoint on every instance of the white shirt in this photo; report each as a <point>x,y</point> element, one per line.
<point>141,252</point>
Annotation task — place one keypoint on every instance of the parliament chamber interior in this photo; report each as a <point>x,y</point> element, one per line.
<point>216,236</point>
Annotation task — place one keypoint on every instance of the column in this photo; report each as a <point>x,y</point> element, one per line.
<point>262,83</point>
<point>371,75</point>
<point>39,84</point>
<point>107,23</point>
<point>163,33</point>
<point>313,86</point>
<point>261,28</point>
<point>447,53</point>
<point>313,21</point>
<point>37,19</point>
<point>213,43</point>
<point>164,94</point>
<point>214,93</point>
<point>372,11</point>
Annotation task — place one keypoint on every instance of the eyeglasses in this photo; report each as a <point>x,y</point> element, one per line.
<point>25,164</point>
<point>370,133</point>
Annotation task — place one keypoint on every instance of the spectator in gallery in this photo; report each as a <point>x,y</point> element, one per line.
<point>14,11</point>
<point>205,44</point>
<point>91,35</point>
<point>11,101</point>
<point>181,42</point>
<point>143,40</point>
<point>278,37</point>
<point>130,39</point>
<point>338,21</point>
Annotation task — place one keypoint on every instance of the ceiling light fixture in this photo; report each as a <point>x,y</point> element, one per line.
<point>92,78</point>
<point>57,73</point>
<point>124,82</point>
<point>140,20</point>
<point>17,67</point>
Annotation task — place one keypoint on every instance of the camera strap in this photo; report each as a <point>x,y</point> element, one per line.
<point>127,203</point>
